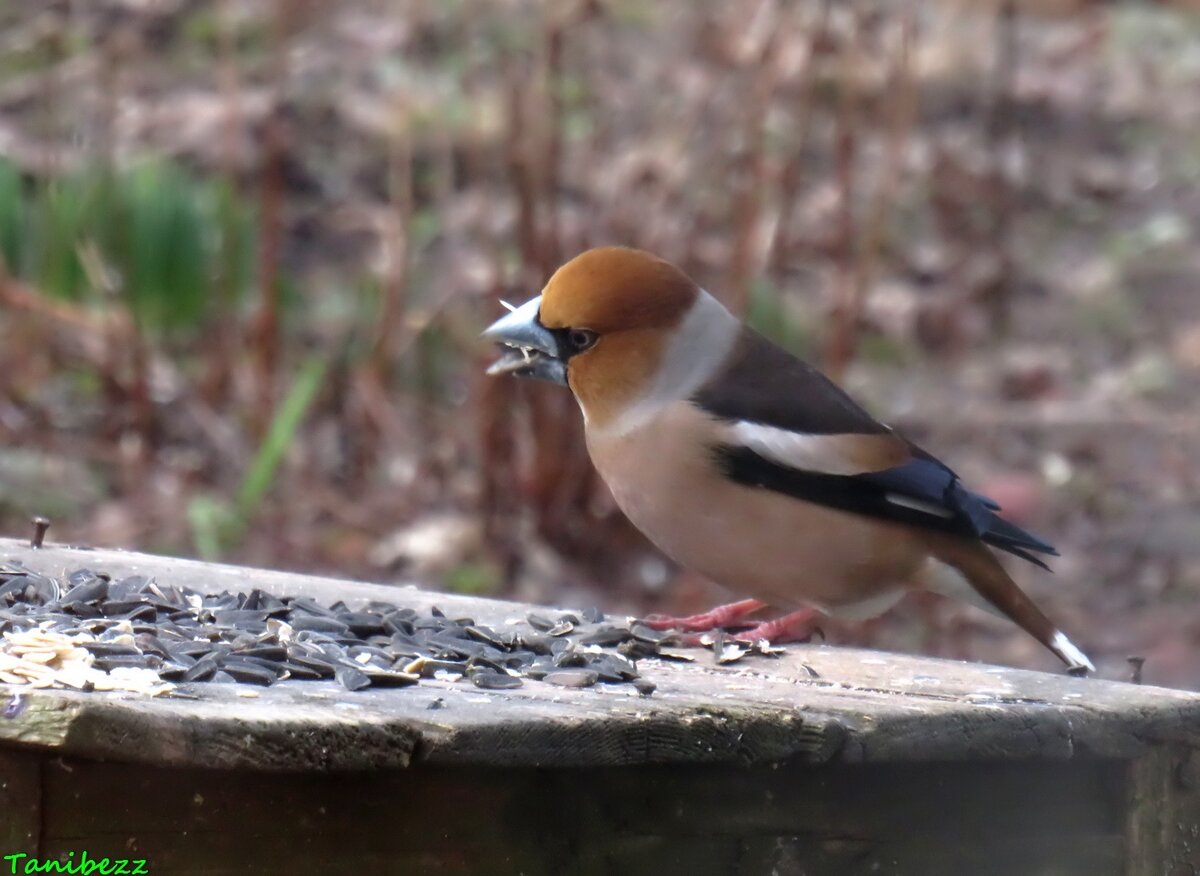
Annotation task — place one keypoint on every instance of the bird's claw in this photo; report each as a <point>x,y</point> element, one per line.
<point>717,618</point>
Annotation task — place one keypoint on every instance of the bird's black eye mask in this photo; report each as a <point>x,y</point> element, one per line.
<point>545,360</point>
<point>572,342</point>
<point>529,349</point>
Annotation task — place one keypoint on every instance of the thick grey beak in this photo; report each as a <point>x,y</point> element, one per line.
<point>529,348</point>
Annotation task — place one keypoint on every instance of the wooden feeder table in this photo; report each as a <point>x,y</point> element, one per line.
<point>827,760</point>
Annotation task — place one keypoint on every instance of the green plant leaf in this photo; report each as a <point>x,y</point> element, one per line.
<point>279,437</point>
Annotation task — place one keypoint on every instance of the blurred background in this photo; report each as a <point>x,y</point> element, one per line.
<point>248,246</point>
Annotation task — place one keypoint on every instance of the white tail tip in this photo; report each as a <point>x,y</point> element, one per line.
<point>1072,656</point>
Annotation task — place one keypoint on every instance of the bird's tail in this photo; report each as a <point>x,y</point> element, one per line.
<point>995,589</point>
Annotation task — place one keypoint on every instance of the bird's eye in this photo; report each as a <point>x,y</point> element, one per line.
<point>581,339</point>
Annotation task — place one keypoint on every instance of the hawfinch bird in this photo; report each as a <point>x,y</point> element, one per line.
<point>747,465</point>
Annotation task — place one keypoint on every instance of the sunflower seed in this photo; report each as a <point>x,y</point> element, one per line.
<point>352,678</point>
<point>362,623</point>
<point>572,677</point>
<point>607,636</point>
<point>494,681</point>
<point>248,671</point>
<point>392,679</point>
<point>643,633</point>
<point>540,622</point>
<point>317,623</point>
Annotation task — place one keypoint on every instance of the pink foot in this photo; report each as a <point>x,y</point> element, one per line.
<point>798,626</point>
<point>721,616</point>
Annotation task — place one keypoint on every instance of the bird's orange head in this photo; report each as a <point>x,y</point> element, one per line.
<point>605,325</point>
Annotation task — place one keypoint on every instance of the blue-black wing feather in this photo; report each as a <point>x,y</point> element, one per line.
<point>923,492</point>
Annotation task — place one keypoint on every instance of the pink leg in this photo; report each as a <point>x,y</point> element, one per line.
<point>798,626</point>
<point>721,616</point>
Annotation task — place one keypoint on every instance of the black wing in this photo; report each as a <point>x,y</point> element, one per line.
<point>765,384</point>
<point>923,492</point>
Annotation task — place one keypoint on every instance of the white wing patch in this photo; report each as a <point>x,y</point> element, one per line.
<point>918,505</point>
<point>823,454</point>
<point>816,453</point>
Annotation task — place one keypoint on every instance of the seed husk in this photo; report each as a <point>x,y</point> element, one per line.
<point>392,679</point>
<point>488,680</point>
<point>572,677</point>
<point>248,672</point>
<point>118,629</point>
<point>352,678</point>
<point>608,635</point>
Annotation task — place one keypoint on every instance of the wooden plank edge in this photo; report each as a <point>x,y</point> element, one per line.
<point>106,731</point>
<point>127,731</point>
<point>726,735</point>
